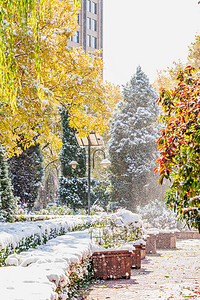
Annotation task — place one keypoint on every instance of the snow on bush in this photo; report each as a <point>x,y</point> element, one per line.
<point>96,209</point>
<point>156,215</point>
<point>58,267</point>
<point>129,218</point>
<point>21,236</point>
<point>116,229</point>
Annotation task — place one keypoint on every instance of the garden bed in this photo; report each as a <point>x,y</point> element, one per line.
<point>112,264</point>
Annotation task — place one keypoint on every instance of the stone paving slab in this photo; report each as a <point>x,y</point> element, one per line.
<point>169,274</point>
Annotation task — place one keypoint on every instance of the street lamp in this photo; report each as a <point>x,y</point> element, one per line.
<point>105,162</point>
<point>92,140</point>
<point>73,164</point>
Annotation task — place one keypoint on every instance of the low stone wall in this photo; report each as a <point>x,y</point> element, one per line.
<point>187,235</point>
<point>160,240</point>
<point>166,240</point>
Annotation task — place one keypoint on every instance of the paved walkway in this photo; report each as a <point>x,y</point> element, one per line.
<point>171,274</point>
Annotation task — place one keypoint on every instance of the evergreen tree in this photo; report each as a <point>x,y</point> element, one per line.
<point>132,146</point>
<point>72,189</point>
<point>100,194</point>
<point>7,200</point>
<point>26,171</point>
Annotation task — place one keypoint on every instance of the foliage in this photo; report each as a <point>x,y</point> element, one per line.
<point>194,52</point>
<point>179,146</point>
<point>33,218</point>
<point>7,199</point>
<point>95,209</point>
<point>18,15</point>
<point>80,275</point>
<point>109,230</point>
<point>70,79</point>
<point>156,215</point>
<point>55,210</point>
<point>72,192</point>
<point>58,210</point>
<point>132,146</point>
<point>72,184</point>
<point>101,193</point>
<point>167,78</point>
<point>26,172</point>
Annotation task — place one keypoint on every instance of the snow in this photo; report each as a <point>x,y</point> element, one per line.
<point>129,218</point>
<point>39,271</point>
<point>35,274</point>
<point>139,242</point>
<point>13,233</point>
<point>19,283</point>
<point>128,246</point>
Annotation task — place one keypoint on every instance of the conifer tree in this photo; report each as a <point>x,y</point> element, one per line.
<point>7,200</point>
<point>132,145</point>
<point>26,171</point>
<point>72,182</point>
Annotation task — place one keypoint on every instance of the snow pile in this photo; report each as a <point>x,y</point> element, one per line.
<point>127,246</point>
<point>40,271</point>
<point>129,218</point>
<point>139,242</point>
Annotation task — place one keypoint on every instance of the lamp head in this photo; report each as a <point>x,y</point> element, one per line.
<point>105,162</point>
<point>73,164</point>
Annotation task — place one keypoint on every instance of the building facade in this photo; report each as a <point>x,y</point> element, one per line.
<point>90,33</point>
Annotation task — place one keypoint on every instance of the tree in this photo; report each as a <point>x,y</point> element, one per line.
<point>26,172</point>
<point>7,200</point>
<point>70,79</point>
<point>72,183</point>
<point>179,146</point>
<point>132,146</point>
<point>101,195</point>
<point>23,16</point>
<point>167,78</point>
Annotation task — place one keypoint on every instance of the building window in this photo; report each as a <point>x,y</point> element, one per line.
<point>78,19</point>
<point>88,5</point>
<point>88,23</point>
<point>89,40</point>
<point>94,8</point>
<point>76,37</point>
<point>94,25</point>
<point>94,42</point>
<point>71,38</point>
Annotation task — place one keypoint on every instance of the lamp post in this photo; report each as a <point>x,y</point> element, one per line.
<point>94,140</point>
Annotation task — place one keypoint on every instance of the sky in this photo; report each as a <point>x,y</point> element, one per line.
<point>149,33</point>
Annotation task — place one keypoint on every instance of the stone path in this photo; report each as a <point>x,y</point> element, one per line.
<point>170,274</point>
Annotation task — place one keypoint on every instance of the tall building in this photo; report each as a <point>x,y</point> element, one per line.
<point>90,19</point>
